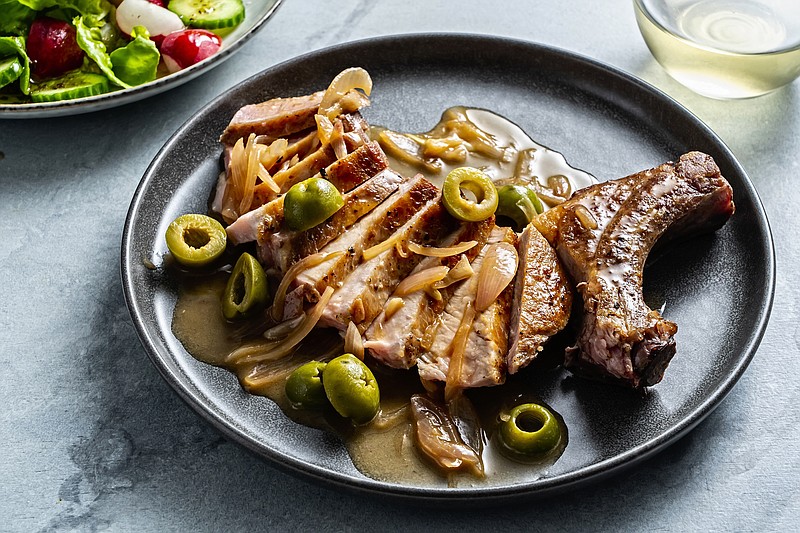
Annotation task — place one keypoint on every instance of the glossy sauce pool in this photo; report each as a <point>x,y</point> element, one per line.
<point>385,449</point>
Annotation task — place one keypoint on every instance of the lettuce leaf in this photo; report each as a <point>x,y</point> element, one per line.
<point>90,41</point>
<point>10,46</point>
<point>93,10</point>
<point>137,62</point>
<point>16,19</point>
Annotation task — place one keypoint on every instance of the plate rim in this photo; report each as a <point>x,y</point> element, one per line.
<point>125,96</point>
<point>537,488</point>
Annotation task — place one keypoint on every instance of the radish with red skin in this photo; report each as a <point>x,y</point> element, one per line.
<point>53,48</point>
<point>159,21</point>
<point>185,48</point>
<point>159,3</point>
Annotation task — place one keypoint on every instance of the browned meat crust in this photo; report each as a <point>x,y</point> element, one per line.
<point>279,117</point>
<point>362,296</point>
<point>399,340</point>
<point>542,299</point>
<point>604,234</point>
<point>484,359</point>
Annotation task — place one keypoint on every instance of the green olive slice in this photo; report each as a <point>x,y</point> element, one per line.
<point>351,388</point>
<point>518,203</point>
<point>530,430</point>
<point>195,240</point>
<point>476,182</point>
<point>246,290</point>
<point>304,386</point>
<point>310,203</point>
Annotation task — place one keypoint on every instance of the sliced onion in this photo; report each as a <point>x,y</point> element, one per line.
<point>393,306</point>
<point>282,330</point>
<point>337,140</point>
<point>291,274</point>
<point>378,249</point>
<point>461,271</point>
<point>453,383</point>
<point>498,269</point>
<point>273,153</point>
<point>432,251</point>
<point>344,82</point>
<point>260,352</point>
<point>324,128</point>
<point>353,343</point>
<point>585,217</point>
<point>420,280</point>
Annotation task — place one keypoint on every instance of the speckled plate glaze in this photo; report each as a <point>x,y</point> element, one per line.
<point>718,288</point>
<point>257,13</point>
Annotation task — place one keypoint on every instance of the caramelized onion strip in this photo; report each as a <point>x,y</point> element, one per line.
<point>498,270</point>
<point>291,274</point>
<point>432,251</point>
<point>461,271</point>
<point>353,343</point>
<point>421,280</point>
<point>260,352</point>
<point>453,384</point>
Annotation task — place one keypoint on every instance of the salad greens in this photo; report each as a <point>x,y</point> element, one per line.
<point>90,40</point>
<point>54,50</point>
<point>137,62</point>
<point>10,46</point>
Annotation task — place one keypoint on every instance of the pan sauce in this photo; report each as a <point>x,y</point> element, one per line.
<point>385,449</point>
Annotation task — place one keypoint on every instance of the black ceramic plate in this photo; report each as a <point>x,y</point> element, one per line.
<point>717,288</point>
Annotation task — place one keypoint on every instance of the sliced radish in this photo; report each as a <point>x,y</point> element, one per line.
<point>185,48</point>
<point>159,21</point>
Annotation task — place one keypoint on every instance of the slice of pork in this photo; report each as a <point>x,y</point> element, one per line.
<point>283,248</point>
<point>542,299</point>
<point>604,235</point>
<point>398,341</point>
<point>345,174</point>
<point>362,296</point>
<point>279,117</point>
<point>370,230</point>
<point>484,359</point>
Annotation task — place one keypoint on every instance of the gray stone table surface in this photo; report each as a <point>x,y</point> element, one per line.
<point>93,438</point>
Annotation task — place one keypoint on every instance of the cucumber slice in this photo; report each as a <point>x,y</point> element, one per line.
<point>208,14</point>
<point>10,69</point>
<point>74,85</point>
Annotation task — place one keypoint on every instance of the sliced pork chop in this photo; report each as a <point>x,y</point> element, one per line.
<point>279,117</point>
<point>398,340</point>
<point>362,296</point>
<point>604,235</point>
<point>542,299</point>
<point>370,230</point>
<point>345,174</point>
<point>283,248</point>
<point>483,363</point>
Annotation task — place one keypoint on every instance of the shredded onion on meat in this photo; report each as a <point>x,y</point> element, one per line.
<point>353,343</point>
<point>458,347</point>
<point>393,306</point>
<point>378,249</point>
<point>497,271</point>
<point>342,84</point>
<point>461,271</point>
<point>291,274</point>
<point>245,170</point>
<point>420,280</point>
<point>432,251</point>
<point>271,350</point>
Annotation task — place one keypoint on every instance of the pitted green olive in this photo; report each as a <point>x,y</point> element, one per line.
<point>304,386</point>
<point>476,182</point>
<point>518,203</point>
<point>310,202</point>
<point>351,388</point>
<point>195,240</point>
<point>531,430</point>
<point>246,290</point>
